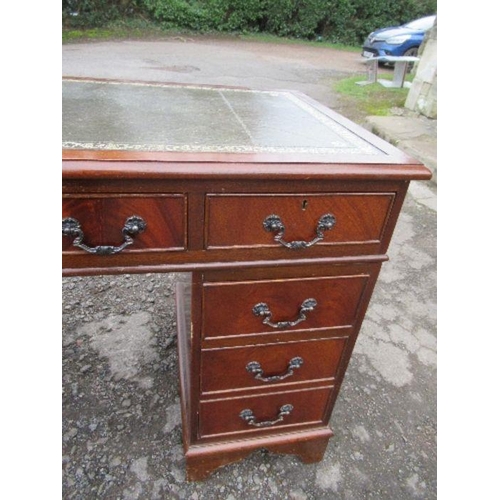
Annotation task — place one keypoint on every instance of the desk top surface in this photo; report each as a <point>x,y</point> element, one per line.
<point>144,121</point>
<point>153,117</point>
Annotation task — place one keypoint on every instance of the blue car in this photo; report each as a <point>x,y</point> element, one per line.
<point>397,41</point>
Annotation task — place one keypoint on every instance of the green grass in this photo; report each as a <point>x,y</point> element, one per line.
<point>263,37</point>
<point>372,99</point>
<point>132,29</point>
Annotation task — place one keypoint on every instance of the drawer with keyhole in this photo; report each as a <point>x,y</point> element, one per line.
<point>296,222</point>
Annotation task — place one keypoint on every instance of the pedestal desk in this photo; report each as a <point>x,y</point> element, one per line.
<point>281,210</point>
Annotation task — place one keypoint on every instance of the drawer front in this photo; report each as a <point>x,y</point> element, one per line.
<point>238,220</point>
<point>240,308</point>
<point>270,411</point>
<point>270,365</point>
<point>102,219</point>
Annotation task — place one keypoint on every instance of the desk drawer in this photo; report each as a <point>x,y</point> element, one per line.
<point>253,307</point>
<point>238,221</point>
<point>102,219</point>
<point>263,412</point>
<point>270,365</point>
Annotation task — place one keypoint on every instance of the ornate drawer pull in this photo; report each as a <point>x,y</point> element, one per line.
<point>133,226</point>
<point>255,368</point>
<point>273,223</point>
<point>249,417</point>
<point>262,309</point>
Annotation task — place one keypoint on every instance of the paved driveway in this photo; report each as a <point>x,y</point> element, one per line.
<point>121,422</point>
<point>216,61</point>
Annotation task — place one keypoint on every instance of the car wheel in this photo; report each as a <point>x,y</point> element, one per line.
<point>413,52</point>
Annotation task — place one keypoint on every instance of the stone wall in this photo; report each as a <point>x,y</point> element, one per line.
<point>422,96</point>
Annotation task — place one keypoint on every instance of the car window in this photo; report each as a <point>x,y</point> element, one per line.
<point>421,24</point>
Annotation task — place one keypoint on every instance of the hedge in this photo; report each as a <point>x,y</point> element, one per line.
<point>342,21</point>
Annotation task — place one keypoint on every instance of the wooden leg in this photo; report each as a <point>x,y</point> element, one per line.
<point>203,460</point>
<point>308,451</point>
<point>198,468</point>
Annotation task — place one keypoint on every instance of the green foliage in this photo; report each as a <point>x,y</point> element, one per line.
<point>208,15</point>
<point>296,18</point>
<point>350,21</point>
<point>97,13</point>
<point>338,21</point>
<point>240,15</point>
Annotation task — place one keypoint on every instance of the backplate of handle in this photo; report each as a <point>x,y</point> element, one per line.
<point>132,227</point>
<point>248,416</point>
<point>262,309</point>
<point>274,224</point>
<point>255,369</point>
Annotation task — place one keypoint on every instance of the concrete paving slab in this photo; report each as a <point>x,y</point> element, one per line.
<point>414,134</point>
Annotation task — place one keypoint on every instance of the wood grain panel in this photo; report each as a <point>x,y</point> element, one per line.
<point>237,220</point>
<point>223,416</point>
<point>225,369</point>
<point>228,307</point>
<point>102,219</point>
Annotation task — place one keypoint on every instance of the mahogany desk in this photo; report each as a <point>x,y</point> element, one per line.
<point>282,210</point>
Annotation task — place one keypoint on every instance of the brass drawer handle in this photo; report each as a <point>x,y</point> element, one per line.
<point>273,223</point>
<point>255,368</point>
<point>248,416</point>
<point>133,226</point>
<point>262,309</point>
